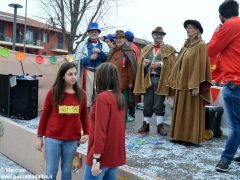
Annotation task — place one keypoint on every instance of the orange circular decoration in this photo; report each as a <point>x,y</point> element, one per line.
<point>20,56</point>
<point>39,59</point>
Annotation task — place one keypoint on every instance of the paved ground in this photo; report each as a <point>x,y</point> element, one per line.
<point>155,156</point>
<point>9,170</point>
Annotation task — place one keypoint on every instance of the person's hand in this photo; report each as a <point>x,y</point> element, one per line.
<point>94,56</point>
<point>96,169</point>
<point>83,139</point>
<point>195,92</point>
<point>96,50</point>
<point>146,62</point>
<point>130,86</point>
<point>156,65</point>
<point>39,144</point>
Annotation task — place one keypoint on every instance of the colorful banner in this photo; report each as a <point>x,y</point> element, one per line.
<point>39,59</point>
<point>53,60</point>
<point>20,56</point>
<point>4,52</point>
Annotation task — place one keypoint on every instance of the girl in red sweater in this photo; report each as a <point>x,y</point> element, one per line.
<point>106,146</point>
<point>64,112</point>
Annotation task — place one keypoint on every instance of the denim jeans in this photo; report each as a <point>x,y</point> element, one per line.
<point>107,173</point>
<point>131,111</point>
<point>231,98</point>
<point>56,150</point>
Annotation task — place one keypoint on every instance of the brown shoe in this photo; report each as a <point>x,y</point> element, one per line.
<point>144,128</point>
<point>161,130</point>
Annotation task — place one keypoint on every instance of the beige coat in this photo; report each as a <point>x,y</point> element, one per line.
<point>191,70</point>
<point>167,53</point>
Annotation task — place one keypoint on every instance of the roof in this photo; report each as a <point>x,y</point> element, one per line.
<point>141,41</point>
<point>4,16</point>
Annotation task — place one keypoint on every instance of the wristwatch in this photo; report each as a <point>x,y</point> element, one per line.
<point>95,160</point>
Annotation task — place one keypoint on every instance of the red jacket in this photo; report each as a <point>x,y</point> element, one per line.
<point>226,43</point>
<point>107,131</point>
<point>65,121</point>
<point>215,67</point>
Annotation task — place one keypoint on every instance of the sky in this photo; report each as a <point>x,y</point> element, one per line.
<point>142,16</point>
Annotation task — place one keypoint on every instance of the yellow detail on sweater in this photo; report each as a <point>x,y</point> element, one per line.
<point>213,66</point>
<point>68,110</point>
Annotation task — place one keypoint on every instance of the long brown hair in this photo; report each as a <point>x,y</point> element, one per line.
<point>59,85</point>
<point>107,78</point>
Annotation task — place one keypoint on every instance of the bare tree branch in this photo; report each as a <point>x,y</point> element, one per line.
<point>73,16</point>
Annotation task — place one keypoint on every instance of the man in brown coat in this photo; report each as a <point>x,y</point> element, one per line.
<point>123,56</point>
<point>153,69</point>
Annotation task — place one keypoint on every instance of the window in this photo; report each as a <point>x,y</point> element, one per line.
<point>44,53</point>
<point>18,36</point>
<point>29,36</point>
<point>60,42</point>
<point>1,32</point>
<point>29,51</point>
<point>35,38</point>
<point>45,38</point>
<point>48,38</point>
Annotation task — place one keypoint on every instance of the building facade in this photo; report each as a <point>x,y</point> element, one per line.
<point>41,39</point>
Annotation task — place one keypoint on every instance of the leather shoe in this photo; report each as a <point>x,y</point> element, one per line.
<point>144,128</point>
<point>161,130</point>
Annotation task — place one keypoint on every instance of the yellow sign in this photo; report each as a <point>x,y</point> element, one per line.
<point>68,109</point>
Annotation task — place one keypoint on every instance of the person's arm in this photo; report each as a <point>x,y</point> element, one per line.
<point>220,39</point>
<point>101,122</point>
<point>84,116</point>
<point>82,54</point>
<point>102,56</point>
<point>47,108</point>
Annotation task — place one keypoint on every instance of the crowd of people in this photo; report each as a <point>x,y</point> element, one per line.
<point>114,73</point>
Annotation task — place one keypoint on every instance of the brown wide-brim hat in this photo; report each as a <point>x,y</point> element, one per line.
<point>159,30</point>
<point>195,23</point>
<point>119,33</point>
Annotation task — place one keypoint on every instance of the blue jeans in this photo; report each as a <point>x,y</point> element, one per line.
<point>231,98</point>
<point>56,150</point>
<point>107,173</point>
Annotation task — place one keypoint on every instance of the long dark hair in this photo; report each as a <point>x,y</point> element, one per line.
<point>107,78</point>
<point>59,85</point>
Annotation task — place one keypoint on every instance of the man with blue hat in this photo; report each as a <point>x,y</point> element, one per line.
<point>132,102</point>
<point>109,40</point>
<point>90,54</point>
<point>130,37</point>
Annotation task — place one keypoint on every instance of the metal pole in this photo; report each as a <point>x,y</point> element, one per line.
<point>14,27</point>
<point>15,6</point>
<point>25,28</point>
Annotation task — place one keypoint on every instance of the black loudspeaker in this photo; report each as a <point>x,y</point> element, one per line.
<point>22,99</point>
<point>4,95</point>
